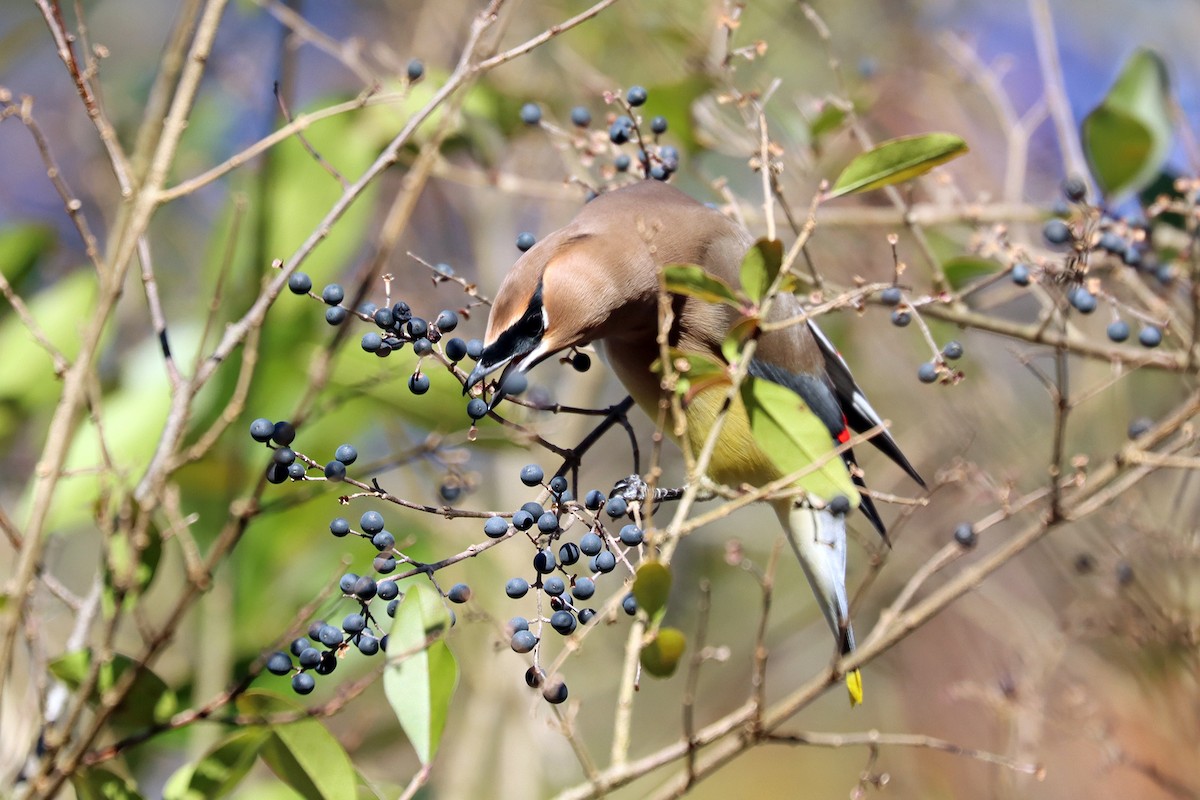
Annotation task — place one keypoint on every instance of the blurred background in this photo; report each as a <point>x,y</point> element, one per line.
<point>1080,656</point>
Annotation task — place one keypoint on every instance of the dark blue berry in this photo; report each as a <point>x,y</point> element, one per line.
<point>518,624</point>
<point>554,586</point>
<point>347,581</point>
<point>605,562</point>
<point>629,604</point>
<point>631,535</point>
<point>839,505</point>
<point>659,125</point>
<point>456,349</point>
<point>365,588</point>
<point>523,642</point>
<point>495,527</point>
<point>555,692</point>
<point>927,372</point>
<point>515,383</point>
<point>548,522</point>
<point>303,683</point>
<point>330,636</point>
<point>901,318</point>
<point>476,408</point>
<point>1074,189</point>
<point>284,456</point>
<point>591,544</point>
<point>309,658</point>
<point>371,342</point>
<point>890,296</point>
<point>568,554</point>
<point>532,475</point>
<point>1020,274</point>
<point>964,534</point>
<point>371,522</point>
<point>279,664</point>
<point>1132,257</point>
<point>384,565</point>
<point>262,429</point>
<point>418,383</point>
<point>618,132</point>
<point>583,588</point>
<point>297,471</point>
<point>392,606</point>
<point>636,96</point>
<point>474,349</point>
<point>622,162</point>
<point>276,473</point>
<point>558,484</point>
<point>1056,231</point>
<point>368,645</point>
<point>383,541</point>
<point>534,676</point>
<point>328,663</point>
<point>593,500</point>
<point>1083,300</point>
<point>384,318</point>
<point>346,454</point>
<point>1137,428</point>
<point>299,283</point>
<point>388,590</point>
<point>523,520</point>
<point>298,646</point>
<point>534,509</point>
<point>335,315</point>
<point>1150,336</point>
<point>616,507</point>
<point>415,69</point>
<point>586,615</point>
<point>335,471</point>
<point>953,351</point>
<point>563,622</point>
<point>1118,331</point>
<point>581,117</point>
<point>417,327</point>
<point>1112,243</point>
<point>669,157</point>
<point>446,320</point>
<point>516,587</point>
<point>354,623</point>
<point>544,562</point>
<point>422,346</point>
<point>401,312</point>
<point>459,593</point>
<point>333,294</point>
<point>531,114</point>
<point>525,241</point>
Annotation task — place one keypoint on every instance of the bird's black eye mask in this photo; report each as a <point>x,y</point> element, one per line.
<point>521,337</point>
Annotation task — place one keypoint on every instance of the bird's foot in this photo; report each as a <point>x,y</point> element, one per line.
<point>635,490</point>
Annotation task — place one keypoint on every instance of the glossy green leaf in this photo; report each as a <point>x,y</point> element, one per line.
<point>794,438</point>
<point>896,161</point>
<point>219,770</point>
<point>735,340</point>
<point>1127,138</point>
<point>760,266</point>
<point>661,655</point>
<point>962,270</point>
<point>652,587</point>
<point>97,783</point>
<point>421,676</point>
<point>691,280</point>
<point>303,754</point>
<point>149,701</point>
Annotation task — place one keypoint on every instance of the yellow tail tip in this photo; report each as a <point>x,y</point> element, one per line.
<point>854,686</point>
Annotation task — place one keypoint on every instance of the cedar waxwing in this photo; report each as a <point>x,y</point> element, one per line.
<point>597,280</point>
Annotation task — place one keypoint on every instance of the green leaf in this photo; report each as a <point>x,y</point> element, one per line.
<point>760,267</point>
<point>420,677</point>
<point>693,281</point>
<point>651,587</point>
<point>794,438</point>
<point>100,784</point>
<point>220,770</point>
<point>660,656</point>
<point>1128,136</point>
<point>896,161</point>
<point>962,270</point>
<point>150,700</point>
<point>303,754</point>
<point>696,372</point>
<point>20,248</point>
<point>735,340</point>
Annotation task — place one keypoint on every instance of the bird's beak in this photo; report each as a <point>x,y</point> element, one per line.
<point>514,364</point>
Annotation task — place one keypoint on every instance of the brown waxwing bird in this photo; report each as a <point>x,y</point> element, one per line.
<point>597,280</point>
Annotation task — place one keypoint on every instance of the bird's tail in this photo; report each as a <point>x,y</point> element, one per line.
<point>819,540</point>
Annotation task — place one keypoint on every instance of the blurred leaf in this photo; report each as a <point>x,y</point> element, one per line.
<point>794,438</point>
<point>96,783</point>
<point>735,340</point>
<point>20,248</point>
<point>660,656</point>
<point>651,587</point>
<point>1128,136</point>
<point>828,120</point>
<point>150,700</point>
<point>691,280</point>
<point>896,161</point>
<point>696,372</point>
<point>1164,185</point>
<point>674,101</point>
<point>303,754</point>
<point>420,678</point>
<point>219,770</point>
<point>962,270</point>
<point>760,267</point>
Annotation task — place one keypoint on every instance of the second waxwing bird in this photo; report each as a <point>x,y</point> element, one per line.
<point>597,280</point>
